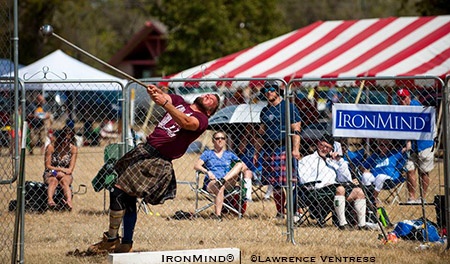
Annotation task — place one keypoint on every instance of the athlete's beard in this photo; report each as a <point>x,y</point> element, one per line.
<point>199,102</point>
<point>274,98</point>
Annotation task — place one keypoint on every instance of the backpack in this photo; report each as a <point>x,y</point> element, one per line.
<point>105,178</point>
<point>415,230</point>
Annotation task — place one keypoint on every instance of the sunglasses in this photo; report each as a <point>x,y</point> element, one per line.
<point>325,145</point>
<point>219,138</point>
<point>271,89</point>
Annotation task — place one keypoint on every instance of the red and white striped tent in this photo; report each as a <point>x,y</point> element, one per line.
<point>403,46</point>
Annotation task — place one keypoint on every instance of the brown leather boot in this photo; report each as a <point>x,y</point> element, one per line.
<point>107,245</point>
<point>124,248</point>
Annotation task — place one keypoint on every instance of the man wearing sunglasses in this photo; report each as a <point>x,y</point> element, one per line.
<point>271,142</point>
<point>422,156</point>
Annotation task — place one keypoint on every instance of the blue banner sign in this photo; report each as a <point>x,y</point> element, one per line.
<point>384,121</point>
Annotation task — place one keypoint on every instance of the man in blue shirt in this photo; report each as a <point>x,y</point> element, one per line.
<point>271,141</point>
<point>383,168</point>
<point>422,156</point>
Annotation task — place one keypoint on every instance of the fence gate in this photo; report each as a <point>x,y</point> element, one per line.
<point>394,199</point>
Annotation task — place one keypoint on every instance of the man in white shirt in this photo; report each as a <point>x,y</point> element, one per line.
<point>323,174</point>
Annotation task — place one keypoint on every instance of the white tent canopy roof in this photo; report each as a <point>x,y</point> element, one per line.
<point>58,66</point>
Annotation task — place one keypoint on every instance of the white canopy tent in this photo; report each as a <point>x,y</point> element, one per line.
<point>58,67</point>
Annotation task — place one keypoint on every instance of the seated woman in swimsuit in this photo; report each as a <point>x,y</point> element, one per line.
<point>60,158</point>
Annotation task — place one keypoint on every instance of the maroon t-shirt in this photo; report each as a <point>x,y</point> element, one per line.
<point>169,138</point>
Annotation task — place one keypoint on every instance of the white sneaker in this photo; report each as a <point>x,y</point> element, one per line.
<point>413,201</point>
<point>298,219</point>
<point>372,226</point>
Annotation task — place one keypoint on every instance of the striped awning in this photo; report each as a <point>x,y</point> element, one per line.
<point>404,46</point>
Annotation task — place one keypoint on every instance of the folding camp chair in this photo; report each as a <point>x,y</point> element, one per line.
<point>394,193</point>
<point>106,176</point>
<point>233,200</point>
<point>258,185</point>
<point>316,204</point>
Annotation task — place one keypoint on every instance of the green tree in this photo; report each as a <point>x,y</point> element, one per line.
<point>300,13</point>
<point>430,7</point>
<point>100,27</point>
<point>32,15</point>
<point>200,31</point>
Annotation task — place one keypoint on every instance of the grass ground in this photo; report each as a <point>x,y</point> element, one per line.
<point>49,237</point>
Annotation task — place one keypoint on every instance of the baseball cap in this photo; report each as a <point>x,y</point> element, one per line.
<point>403,93</point>
<point>272,84</point>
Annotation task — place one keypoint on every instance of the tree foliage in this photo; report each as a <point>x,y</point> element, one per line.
<point>432,7</point>
<point>299,13</point>
<point>200,31</point>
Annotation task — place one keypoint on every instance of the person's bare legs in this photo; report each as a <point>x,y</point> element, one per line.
<point>411,184</point>
<point>65,183</point>
<point>230,181</point>
<point>213,187</point>
<point>52,183</point>
<point>425,182</point>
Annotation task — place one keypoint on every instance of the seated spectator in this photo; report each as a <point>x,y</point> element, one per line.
<point>383,169</point>
<point>354,151</point>
<point>245,151</point>
<point>325,171</point>
<point>221,167</point>
<point>60,158</point>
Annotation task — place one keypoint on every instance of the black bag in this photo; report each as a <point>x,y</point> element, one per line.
<point>36,197</point>
<point>182,215</point>
<point>439,206</point>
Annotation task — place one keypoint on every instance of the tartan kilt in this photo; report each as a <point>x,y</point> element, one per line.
<point>274,167</point>
<point>144,173</point>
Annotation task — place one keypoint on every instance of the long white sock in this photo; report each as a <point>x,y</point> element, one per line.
<point>248,186</point>
<point>360,207</point>
<point>269,192</point>
<point>339,208</point>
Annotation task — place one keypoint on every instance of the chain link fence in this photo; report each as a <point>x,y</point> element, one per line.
<point>274,215</point>
<point>8,165</point>
<point>398,197</point>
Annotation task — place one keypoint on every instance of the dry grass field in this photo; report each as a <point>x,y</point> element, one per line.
<point>49,237</point>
